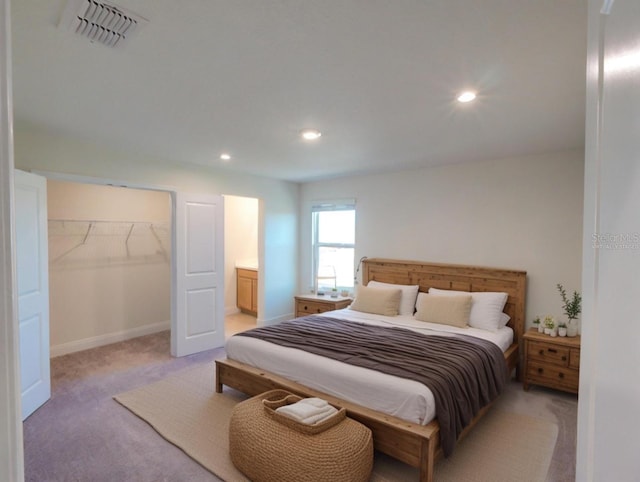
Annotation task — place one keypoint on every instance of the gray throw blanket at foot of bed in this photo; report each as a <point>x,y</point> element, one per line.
<point>463,373</point>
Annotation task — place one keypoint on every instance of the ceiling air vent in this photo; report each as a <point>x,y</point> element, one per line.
<point>101,22</point>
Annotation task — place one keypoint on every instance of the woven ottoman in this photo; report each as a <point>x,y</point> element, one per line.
<point>269,447</point>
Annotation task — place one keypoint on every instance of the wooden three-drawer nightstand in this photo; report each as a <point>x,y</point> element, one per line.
<point>552,362</point>
<point>314,304</point>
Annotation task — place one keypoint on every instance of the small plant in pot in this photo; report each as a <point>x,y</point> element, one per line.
<point>537,324</point>
<point>549,324</point>
<point>572,308</point>
<point>562,329</point>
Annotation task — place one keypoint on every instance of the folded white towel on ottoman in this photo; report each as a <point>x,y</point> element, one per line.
<point>308,410</point>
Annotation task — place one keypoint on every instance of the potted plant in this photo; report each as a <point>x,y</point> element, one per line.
<point>549,324</point>
<point>537,324</point>
<point>562,329</point>
<point>572,308</point>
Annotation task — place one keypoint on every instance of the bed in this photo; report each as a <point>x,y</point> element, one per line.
<point>409,434</point>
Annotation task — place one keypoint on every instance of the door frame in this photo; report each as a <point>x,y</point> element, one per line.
<point>172,191</point>
<point>11,440</point>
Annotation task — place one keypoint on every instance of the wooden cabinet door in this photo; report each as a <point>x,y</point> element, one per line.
<point>245,288</point>
<point>254,295</point>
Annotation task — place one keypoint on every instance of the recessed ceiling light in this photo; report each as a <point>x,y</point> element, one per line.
<point>310,134</point>
<point>467,96</point>
<point>225,157</point>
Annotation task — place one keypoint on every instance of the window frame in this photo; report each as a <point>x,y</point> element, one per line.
<point>316,245</point>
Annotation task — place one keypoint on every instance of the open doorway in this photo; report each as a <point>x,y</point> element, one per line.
<point>109,264</point>
<point>241,216</point>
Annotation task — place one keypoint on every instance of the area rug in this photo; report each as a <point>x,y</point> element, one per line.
<point>186,411</point>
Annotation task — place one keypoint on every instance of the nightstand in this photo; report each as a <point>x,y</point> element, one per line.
<point>314,304</point>
<point>552,362</point>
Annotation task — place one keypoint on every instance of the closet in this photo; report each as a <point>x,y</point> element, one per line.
<point>109,264</point>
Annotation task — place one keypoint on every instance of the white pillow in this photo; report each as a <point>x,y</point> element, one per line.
<point>407,298</point>
<point>486,309</point>
<point>504,319</point>
<point>378,301</point>
<point>445,310</point>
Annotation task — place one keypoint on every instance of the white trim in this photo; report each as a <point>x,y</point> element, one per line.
<point>231,310</point>
<point>61,176</point>
<point>274,321</point>
<point>11,441</point>
<point>109,338</point>
<point>607,5</point>
<point>586,442</point>
<point>332,204</point>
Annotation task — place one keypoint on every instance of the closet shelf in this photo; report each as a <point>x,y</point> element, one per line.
<point>91,242</point>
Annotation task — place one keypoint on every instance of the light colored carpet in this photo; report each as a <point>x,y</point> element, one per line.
<point>187,412</point>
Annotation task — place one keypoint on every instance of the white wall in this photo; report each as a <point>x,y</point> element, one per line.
<point>240,241</point>
<point>608,422</point>
<point>116,283</point>
<point>522,213</point>
<point>80,201</point>
<point>278,230</point>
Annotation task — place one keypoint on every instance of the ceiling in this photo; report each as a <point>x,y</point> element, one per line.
<point>379,78</point>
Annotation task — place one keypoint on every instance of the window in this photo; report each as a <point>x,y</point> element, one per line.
<point>334,226</point>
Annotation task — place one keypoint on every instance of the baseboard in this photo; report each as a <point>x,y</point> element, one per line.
<point>231,310</point>
<point>274,321</point>
<point>107,339</point>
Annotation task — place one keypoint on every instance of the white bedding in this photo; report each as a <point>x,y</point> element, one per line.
<point>406,399</point>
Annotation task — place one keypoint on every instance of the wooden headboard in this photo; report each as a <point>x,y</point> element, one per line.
<point>455,277</point>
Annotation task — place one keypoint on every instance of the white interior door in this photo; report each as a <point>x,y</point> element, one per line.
<point>32,268</point>
<point>197,321</point>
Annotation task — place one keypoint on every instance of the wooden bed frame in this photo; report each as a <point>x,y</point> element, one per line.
<point>414,444</point>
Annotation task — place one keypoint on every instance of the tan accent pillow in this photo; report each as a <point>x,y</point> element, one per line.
<point>378,301</point>
<point>407,298</point>
<point>446,310</point>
